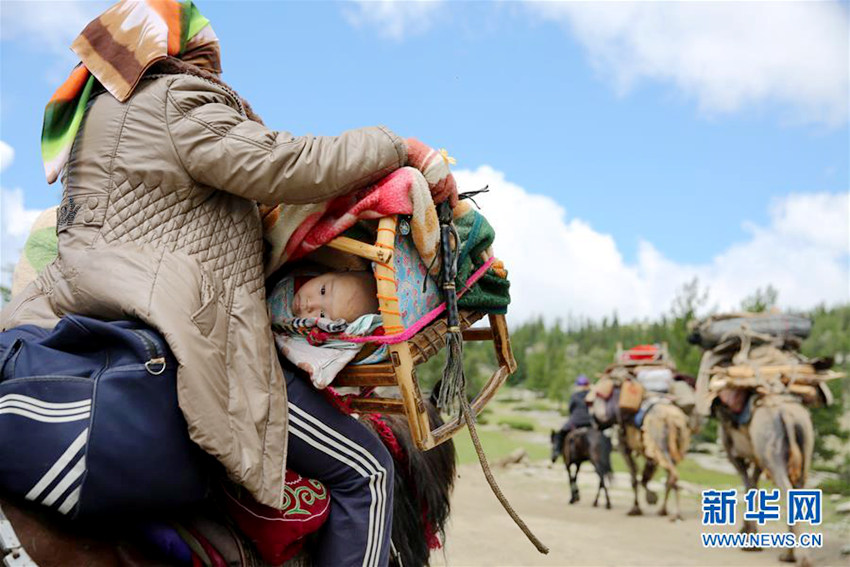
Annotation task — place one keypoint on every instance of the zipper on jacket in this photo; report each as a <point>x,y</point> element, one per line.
<point>156,360</point>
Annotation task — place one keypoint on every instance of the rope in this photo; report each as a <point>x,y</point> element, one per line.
<point>485,467</point>
<point>471,195</point>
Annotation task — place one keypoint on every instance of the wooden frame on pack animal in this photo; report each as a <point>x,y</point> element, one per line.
<point>661,356</point>
<point>404,356</point>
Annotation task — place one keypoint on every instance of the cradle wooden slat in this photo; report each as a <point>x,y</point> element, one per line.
<point>400,370</point>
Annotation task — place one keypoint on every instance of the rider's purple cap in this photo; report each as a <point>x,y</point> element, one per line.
<point>582,380</point>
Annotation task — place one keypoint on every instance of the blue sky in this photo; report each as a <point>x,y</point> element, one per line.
<point>661,147</point>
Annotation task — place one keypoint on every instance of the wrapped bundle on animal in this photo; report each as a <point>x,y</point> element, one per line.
<point>656,379</point>
<point>639,372</point>
<point>646,382</point>
<point>714,330</point>
<point>759,353</point>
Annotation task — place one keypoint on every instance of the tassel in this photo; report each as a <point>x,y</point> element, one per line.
<point>454,381</point>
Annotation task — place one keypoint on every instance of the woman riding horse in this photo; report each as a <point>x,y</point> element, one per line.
<point>163,165</point>
<point>579,414</point>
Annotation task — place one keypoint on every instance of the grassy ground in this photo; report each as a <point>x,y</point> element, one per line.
<point>497,444</point>
<point>689,471</point>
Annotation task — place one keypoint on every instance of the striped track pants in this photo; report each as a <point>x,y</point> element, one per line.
<point>352,462</point>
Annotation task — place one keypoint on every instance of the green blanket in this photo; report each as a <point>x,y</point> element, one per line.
<point>490,293</point>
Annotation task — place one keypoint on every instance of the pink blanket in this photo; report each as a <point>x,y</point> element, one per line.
<point>293,231</point>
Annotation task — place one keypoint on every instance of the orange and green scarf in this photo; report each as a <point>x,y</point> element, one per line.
<point>116,49</point>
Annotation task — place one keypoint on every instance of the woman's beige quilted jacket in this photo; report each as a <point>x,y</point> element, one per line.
<point>158,222</point>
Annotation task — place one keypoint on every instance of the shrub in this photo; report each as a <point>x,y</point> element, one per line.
<point>840,484</point>
<point>835,486</point>
<point>536,406</point>
<point>519,423</point>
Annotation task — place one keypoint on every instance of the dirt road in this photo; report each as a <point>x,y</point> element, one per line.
<point>481,533</point>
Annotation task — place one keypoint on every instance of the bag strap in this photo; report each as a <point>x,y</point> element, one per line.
<point>144,342</point>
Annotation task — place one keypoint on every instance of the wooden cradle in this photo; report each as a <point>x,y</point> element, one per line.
<point>400,370</point>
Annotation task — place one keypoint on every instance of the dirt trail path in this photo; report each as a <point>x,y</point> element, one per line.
<point>481,533</point>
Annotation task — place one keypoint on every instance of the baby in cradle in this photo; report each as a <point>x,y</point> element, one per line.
<point>335,295</point>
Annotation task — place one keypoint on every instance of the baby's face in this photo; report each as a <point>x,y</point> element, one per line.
<point>336,295</point>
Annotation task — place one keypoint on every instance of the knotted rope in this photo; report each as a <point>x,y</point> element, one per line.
<point>452,395</point>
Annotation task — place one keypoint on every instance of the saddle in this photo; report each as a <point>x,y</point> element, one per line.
<point>580,430</point>
<point>577,437</point>
<point>646,407</point>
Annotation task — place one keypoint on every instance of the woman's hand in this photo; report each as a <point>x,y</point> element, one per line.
<point>435,168</point>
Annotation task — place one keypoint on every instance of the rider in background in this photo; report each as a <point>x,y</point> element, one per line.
<point>579,415</point>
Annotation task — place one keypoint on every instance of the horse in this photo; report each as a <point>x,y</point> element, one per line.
<point>423,484</point>
<point>779,440</point>
<point>580,445</point>
<point>662,440</point>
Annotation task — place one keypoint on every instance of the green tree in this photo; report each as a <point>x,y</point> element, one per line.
<point>688,302</point>
<point>761,300</point>
<point>6,291</point>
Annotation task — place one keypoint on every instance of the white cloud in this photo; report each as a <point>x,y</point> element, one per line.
<point>15,223</point>
<point>15,219</point>
<point>394,19</point>
<point>727,55</point>
<point>48,26</point>
<point>560,266</point>
<point>7,155</point>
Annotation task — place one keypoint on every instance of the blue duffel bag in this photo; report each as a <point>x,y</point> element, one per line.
<point>89,422</point>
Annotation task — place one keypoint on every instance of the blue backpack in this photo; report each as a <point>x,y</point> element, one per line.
<point>89,421</point>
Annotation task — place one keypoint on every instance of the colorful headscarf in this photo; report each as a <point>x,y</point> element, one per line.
<point>116,49</point>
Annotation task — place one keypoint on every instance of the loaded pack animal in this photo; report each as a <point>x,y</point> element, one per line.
<point>580,445</point>
<point>778,438</point>
<point>423,486</point>
<point>662,439</point>
<point>779,441</point>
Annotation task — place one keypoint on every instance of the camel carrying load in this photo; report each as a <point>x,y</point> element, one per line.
<point>649,402</point>
<point>756,383</point>
<point>757,353</point>
<point>639,378</point>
